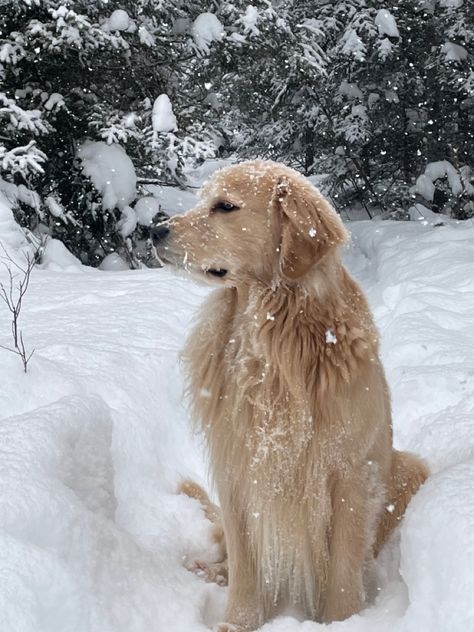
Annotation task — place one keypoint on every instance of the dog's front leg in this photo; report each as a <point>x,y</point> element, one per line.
<point>352,533</point>
<point>242,613</point>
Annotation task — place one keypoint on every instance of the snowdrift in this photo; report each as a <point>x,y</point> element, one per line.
<point>96,437</point>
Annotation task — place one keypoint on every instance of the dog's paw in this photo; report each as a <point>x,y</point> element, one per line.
<point>228,627</point>
<point>216,573</point>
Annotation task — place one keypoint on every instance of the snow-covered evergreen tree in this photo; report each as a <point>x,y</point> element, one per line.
<point>369,92</point>
<point>372,93</point>
<point>78,70</point>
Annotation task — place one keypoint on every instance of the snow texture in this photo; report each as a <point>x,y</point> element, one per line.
<point>128,222</point>
<point>54,207</point>
<point>55,101</point>
<point>249,20</point>
<point>454,52</point>
<point>163,119</point>
<point>95,438</point>
<point>386,23</point>
<point>111,171</point>
<point>350,90</point>
<point>12,238</point>
<point>206,29</point>
<point>57,257</point>
<point>330,337</point>
<point>146,37</point>
<point>146,208</point>
<point>118,21</point>
<point>114,262</point>
<point>353,45</point>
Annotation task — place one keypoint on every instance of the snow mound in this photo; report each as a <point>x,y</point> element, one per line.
<point>95,438</point>
<point>111,171</point>
<point>93,442</point>
<point>437,553</point>
<point>57,257</point>
<point>113,263</point>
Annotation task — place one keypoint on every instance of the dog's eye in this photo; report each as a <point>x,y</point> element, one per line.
<point>224,207</point>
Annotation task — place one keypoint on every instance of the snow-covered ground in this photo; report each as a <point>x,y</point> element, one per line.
<point>95,438</point>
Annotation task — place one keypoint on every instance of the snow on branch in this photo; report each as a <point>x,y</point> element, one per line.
<point>25,159</point>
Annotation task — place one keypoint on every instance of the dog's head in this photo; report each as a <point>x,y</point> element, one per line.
<point>256,220</point>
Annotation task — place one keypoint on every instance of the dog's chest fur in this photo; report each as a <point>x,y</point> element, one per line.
<point>260,373</point>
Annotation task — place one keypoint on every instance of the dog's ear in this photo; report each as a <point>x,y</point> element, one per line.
<point>310,227</point>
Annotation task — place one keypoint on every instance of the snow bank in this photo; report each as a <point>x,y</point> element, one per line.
<point>95,438</point>
<point>420,213</point>
<point>437,554</point>
<point>111,171</point>
<point>206,29</point>
<point>93,442</point>
<point>57,257</point>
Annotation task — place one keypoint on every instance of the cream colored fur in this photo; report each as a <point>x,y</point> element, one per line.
<point>286,383</point>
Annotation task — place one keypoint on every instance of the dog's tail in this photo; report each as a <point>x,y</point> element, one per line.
<point>409,472</point>
<point>193,490</point>
<point>211,511</point>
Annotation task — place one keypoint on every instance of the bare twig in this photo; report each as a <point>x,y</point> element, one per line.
<point>12,295</point>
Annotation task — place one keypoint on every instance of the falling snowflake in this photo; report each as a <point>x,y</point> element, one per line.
<point>330,337</point>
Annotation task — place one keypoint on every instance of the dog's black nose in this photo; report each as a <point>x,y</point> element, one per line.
<point>159,232</point>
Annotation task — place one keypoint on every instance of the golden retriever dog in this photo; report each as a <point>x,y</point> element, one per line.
<point>287,385</point>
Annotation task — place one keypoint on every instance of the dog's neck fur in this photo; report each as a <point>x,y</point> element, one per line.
<point>297,342</point>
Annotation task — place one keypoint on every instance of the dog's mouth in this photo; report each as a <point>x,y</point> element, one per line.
<point>162,258</point>
<point>217,272</point>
